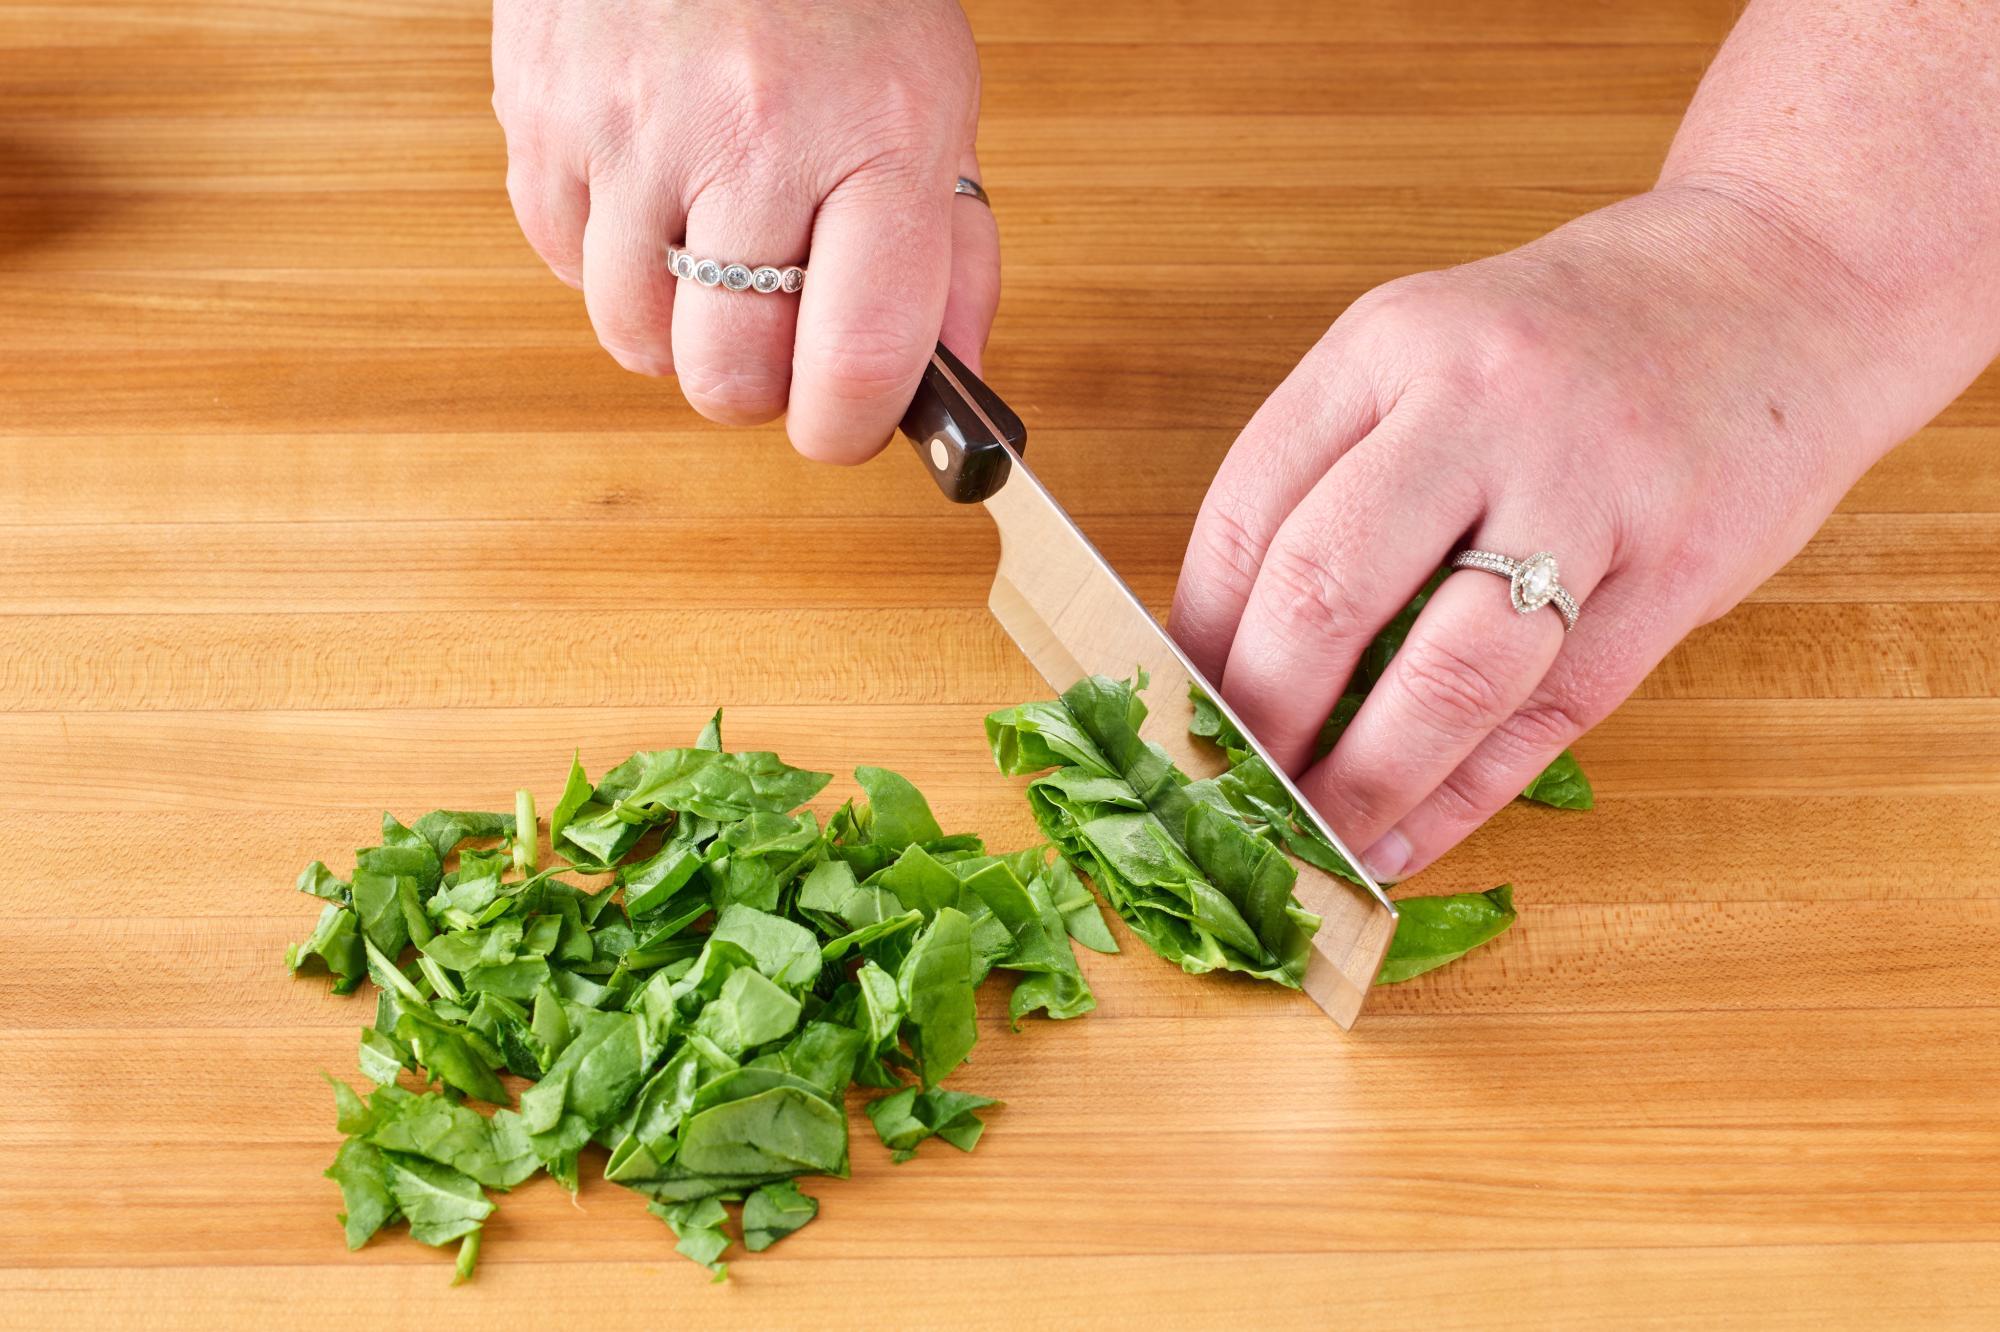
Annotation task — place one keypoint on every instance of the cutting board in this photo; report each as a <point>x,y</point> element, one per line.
<point>317,498</point>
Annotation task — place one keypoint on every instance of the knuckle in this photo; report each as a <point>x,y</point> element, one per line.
<point>1455,694</point>
<point>1543,724</point>
<point>1224,538</point>
<point>1304,594</point>
<point>865,364</point>
<point>735,395</point>
<point>1464,799</point>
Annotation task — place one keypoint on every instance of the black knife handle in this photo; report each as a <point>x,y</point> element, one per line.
<point>958,426</point>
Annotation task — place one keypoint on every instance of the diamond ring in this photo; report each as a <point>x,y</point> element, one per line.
<point>1531,583</point>
<point>765,278</point>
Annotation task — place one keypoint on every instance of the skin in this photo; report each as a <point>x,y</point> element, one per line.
<point>1670,393</point>
<point>765,133</point>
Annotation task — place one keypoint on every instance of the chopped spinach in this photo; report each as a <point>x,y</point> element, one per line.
<point>1199,869</point>
<point>694,990</point>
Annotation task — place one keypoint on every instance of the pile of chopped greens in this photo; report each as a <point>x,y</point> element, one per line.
<point>1196,868</point>
<point>699,1006</point>
<point>704,973</point>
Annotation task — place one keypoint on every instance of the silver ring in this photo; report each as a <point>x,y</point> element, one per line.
<point>765,279</point>
<point>1531,583</point>
<point>971,189</point>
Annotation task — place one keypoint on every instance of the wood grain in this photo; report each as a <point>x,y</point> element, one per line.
<point>317,497</point>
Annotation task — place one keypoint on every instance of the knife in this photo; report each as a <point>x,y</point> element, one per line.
<point>1073,616</point>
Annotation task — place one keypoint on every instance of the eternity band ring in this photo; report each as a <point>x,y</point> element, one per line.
<point>767,279</point>
<point>1531,583</point>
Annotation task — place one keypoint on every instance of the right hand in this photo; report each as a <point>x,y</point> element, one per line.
<point>772,133</point>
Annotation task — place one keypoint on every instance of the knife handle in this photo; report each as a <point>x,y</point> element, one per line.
<point>962,430</point>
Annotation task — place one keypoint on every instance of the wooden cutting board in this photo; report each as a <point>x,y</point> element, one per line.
<point>317,497</point>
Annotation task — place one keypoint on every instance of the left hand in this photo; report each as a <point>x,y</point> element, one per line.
<point>1670,395</point>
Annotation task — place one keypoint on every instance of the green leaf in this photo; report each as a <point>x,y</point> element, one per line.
<point>404,853</point>
<point>335,947</point>
<point>784,951</point>
<point>444,829</point>
<point>378,901</point>
<point>446,1054</point>
<point>711,734</point>
<point>318,881</point>
<point>1080,913</point>
<point>751,1011</point>
<point>1562,784</point>
<point>698,1227</point>
<point>382,1057</point>
<point>773,1212</point>
<point>898,814</point>
<point>906,1118</point>
<point>575,792</point>
<point>935,985</point>
<point>1431,931</point>
<point>442,1205</point>
<point>363,1176</point>
<point>494,1152</point>
<point>709,784</point>
<point>784,1130</point>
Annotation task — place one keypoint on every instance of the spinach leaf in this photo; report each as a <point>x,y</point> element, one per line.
<point>698,1227</point>
<point>363,1175</point>
<point>444,829</point>
<point>335,946</point>
<point>442,1205</point>
<point>711,734</point>
<point>935,986</point>
<point>710,784</point>
<point>898,814</point>
<point>1562,784</point>
<point>906,1118</point>
<point>318,881</point>
<point>575,792</point>
<point>773,1212</point>
<point>1432,931</point>
<point>749,1012</point>
<point>784,1130</point>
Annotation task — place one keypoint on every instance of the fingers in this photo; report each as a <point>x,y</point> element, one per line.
<point>1314,417</point>
<point>1598,667</point>
<point>975,277</point>
<point>551,204</point>
<point>1468,665</point>
<point>1342,563</point>
<point>626,286</point>
<point>870,313</point>
<point>733,349</point>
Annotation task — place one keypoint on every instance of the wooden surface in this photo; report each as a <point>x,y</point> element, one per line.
<point>316,497</point>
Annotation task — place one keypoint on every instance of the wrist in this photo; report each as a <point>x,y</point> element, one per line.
<point>1840,363</point>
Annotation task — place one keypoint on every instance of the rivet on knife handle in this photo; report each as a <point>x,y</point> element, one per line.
<point>960,428</point>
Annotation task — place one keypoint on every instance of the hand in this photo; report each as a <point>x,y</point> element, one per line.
<point>773,133</point>
<point>1670,395</point>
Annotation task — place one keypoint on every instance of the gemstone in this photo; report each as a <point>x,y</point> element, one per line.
<point>1534,582</point>
<point>766,279</point>
<point>792,279</point>
<point>683,264</point>
<point>736,277</point>
<point>708,272</point>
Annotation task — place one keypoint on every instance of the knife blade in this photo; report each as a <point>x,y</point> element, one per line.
<point>1073,616</point>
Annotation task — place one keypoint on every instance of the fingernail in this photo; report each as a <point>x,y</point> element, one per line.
<point>1385,859</point>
